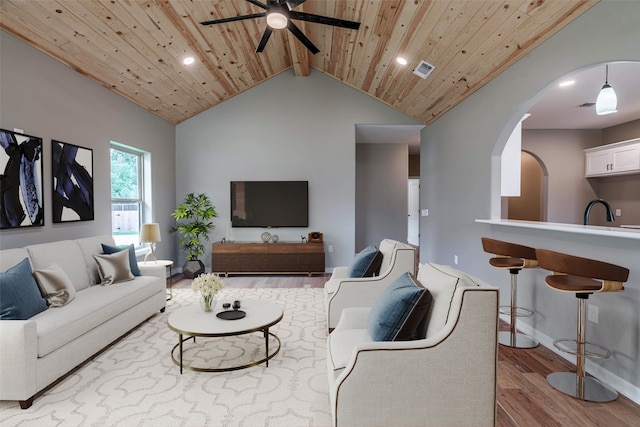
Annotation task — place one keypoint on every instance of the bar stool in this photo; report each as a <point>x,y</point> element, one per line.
<point>513,257</point>
<point>578,275</point>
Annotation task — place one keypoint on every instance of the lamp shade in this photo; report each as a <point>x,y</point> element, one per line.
<point>150,233</point>
<point>607,101</point>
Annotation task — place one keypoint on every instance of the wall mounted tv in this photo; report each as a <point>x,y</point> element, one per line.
<point>269,204</point>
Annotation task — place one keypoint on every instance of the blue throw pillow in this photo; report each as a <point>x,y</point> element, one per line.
<point>367,263</point>
<point>399,310</point>
<point>133,261</point>
<point>20,296</point>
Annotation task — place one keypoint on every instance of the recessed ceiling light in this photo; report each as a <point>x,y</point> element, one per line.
<point>567,83</point>
<point>401,60</point>
<point>188,60</point>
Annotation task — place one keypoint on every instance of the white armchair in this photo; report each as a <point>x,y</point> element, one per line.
<point>342,291</point>
<point>447,379</point>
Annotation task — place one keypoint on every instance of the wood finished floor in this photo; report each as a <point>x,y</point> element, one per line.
<point>524,396</point>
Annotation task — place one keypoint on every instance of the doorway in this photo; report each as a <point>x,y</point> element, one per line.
<point>413,226</point>
<point>531,205</point>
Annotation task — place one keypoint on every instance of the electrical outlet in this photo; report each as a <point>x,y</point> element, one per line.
<point>592,313</point>
<point>424,212</point>
<point>618,212</point>
<point>455,259</point>
<point>330,248</point>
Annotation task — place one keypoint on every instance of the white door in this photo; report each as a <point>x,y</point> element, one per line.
<point>413,233</point>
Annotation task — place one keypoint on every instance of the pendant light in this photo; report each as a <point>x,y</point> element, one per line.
<point>607,101</point>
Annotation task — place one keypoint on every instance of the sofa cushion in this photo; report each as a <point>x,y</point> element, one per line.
<point>89,247</point>
<point>133,261</point>
<point>398,310</point>
<point>114,268</point>
<point>55,286</point>
<point>68,256</point>
<point>91,307</point>
<point>20,297</point>
<point>442,282</point>
<point>366,263</point>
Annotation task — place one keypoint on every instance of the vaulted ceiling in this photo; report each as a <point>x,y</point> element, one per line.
<point>136,47</point>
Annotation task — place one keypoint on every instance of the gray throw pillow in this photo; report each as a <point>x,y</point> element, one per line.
<point>55,285</point>
<point>114,268</point>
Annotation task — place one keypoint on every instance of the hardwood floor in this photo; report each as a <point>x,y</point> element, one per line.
<point>524,396</point>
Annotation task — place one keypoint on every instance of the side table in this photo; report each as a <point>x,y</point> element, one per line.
<point>165,263</point>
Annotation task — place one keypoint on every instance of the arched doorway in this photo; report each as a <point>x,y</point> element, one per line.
<point>531,205</point>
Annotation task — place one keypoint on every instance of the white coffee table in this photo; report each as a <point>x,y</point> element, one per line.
<point>191,321</point>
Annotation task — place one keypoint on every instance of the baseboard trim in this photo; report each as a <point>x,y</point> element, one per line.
<point>621,385</point>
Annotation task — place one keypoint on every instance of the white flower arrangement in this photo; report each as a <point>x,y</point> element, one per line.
<point>207,284</point>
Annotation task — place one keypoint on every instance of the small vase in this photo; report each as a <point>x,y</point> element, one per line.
<point>208,303</point>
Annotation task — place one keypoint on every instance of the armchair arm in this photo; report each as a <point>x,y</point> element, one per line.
<point>447,379</point>
<point>18,355</point>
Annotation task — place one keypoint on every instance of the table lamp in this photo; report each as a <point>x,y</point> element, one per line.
<point>150,234</point>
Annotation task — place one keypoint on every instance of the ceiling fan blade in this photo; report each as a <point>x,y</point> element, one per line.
<point>257,3</point>
<point>265,38</point>
<point>305,41</point>
<point>309,17</point>
<point>294,3</point>
<point>235,18</point>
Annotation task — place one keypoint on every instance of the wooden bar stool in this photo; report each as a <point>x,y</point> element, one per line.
<point>513,257</point>
<point>583,277</point>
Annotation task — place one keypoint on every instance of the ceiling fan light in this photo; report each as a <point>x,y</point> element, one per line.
<point>277,20</point>
<point>607,101</point>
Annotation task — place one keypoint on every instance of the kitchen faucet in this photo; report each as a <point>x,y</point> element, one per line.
<point>610,217</point>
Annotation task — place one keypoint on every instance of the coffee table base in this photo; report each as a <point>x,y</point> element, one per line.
<point>182,366</point>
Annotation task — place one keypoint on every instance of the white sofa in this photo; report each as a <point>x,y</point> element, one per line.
<point>447,379</point>
<point>341,291</point>
<point>36,352</point>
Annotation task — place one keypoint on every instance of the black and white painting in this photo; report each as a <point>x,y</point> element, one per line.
<point>21,204</point>
<point>72,171</point>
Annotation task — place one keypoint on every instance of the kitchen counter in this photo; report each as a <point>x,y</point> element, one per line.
<point>627,232</point>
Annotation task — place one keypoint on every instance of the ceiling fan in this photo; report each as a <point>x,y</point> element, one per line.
<point>279,14</point>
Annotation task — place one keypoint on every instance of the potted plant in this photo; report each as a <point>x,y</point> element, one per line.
<point>193,223</point>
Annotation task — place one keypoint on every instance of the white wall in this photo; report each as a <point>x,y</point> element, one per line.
<point>47,99</point>
<point>460,166</point>
<point>287,128</point>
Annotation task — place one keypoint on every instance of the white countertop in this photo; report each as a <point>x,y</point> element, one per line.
<point>628,232</point>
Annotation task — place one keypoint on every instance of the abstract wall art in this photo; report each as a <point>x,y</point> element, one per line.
<point>21,203</point>
<point>72,171</point>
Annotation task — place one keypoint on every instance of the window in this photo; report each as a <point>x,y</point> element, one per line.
<point>127,194</point>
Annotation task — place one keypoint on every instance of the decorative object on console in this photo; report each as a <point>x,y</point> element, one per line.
<point>193,222</point>
<point>21,204</point>
<point>266,237</point>
<point>208,285</point>
<point>150,234</point>
<point>315,237</point>
<point>275,238</point>
<point>72,171</point>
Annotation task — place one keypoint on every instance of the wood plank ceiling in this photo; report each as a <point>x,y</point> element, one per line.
<point>136,47</point>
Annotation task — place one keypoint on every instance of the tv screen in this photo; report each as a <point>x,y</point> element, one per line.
<point>269,204</point>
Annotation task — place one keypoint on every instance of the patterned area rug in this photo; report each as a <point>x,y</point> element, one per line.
<point>135,383</point>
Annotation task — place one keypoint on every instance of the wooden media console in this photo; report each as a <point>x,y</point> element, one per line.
<point>271,258</point>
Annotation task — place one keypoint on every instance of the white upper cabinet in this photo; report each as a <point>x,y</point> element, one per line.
<point>621,158</point>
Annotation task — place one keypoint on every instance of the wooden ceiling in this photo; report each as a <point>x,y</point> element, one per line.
<point>136,47</point>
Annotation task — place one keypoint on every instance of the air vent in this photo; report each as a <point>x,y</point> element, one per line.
<point>587,104</point>
<point>423,69</point>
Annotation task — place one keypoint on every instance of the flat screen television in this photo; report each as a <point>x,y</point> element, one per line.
<point>269,204</point>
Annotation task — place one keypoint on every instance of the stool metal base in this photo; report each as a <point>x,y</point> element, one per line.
<point>585,388</point>
<point>517,340</point>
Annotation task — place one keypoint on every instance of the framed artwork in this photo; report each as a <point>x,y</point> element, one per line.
<point>21,202</point>
<point>72,172</point>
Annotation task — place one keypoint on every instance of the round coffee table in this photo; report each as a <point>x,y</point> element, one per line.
<point>191,321</point>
